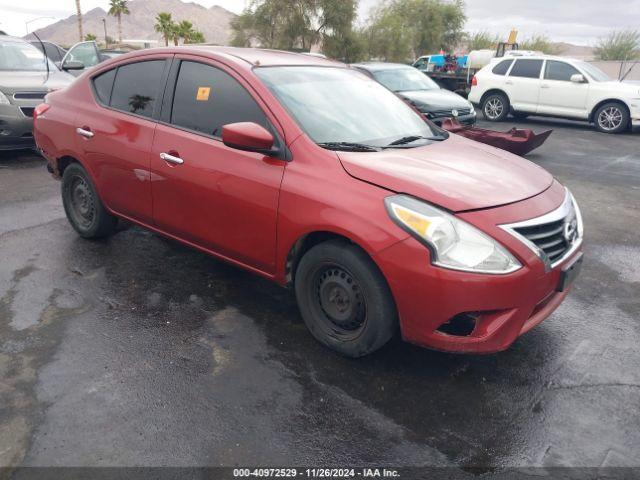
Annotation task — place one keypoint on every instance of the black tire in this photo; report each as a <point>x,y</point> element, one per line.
<point>495,107</point>
<point>520,115</point>
<point>344,299</point>
<point>83,207</point>
<point>612,117</point>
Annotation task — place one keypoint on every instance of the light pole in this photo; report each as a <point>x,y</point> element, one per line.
<point>106,41</point>
<point>26,24</point>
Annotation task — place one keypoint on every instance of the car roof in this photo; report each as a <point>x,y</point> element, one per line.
<point>535,57</point>
<point>248,56</point>
<point>378,66</point>
<point>8,38</point>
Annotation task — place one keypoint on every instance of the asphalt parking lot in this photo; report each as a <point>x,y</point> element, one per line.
<point>138,351</point>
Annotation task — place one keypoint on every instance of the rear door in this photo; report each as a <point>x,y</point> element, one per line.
<point>523,84</point>
<point>559,95</point>
<point>213,196</point>
<point>84,52</point>
<point>115,136</point>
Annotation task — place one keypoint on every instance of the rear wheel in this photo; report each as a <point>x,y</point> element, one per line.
<point>495,107</point>
<point>82,205</point>
<point>344,299</point>
<point>612,117</point>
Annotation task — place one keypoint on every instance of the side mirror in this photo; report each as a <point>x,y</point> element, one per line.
<point>72,65</point>
<point>578,78</point>
<point>249,137</point>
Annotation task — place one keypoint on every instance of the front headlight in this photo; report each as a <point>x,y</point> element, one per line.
<point>3,99</point>
<point>454,244</point>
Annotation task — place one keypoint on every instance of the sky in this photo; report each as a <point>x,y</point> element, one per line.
<point>581,22</point>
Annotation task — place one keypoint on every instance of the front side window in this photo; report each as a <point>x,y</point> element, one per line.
<point>85,53</point>
<point>334,105</point>
<point>137,86</point>
<point>206,98</point>
<point>405,80</point>
<point>502,67</point>
<point>526,68</point>
<point>559,71</point>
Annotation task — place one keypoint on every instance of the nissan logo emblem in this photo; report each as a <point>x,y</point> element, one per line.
<point>454,113</point>
<point>570,232</point>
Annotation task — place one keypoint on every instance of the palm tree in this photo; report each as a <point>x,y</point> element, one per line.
<point>184,30</point>
<point>165,26</point>
<point>79,13</point>
<point>119,8</point>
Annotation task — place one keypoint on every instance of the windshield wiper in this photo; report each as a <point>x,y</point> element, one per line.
<point>411,139</point>
<point>349,146</point>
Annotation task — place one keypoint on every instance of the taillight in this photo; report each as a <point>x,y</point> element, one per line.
<point>474,81</point>
<point>40,109</point>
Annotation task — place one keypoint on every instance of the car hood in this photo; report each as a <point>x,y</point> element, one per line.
<point>12,82</point>
<point>435,99</point>
<point>617,86</point>
<point>457,174</point>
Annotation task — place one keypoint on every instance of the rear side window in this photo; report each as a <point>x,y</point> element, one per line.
<point>206,98</point>
<point>559,71</point>
<point>103,85</point>
<point>526,68</point>
<point>137,87</point>
<point>502,67</point>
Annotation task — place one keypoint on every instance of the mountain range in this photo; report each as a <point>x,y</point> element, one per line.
<point>214,22</point>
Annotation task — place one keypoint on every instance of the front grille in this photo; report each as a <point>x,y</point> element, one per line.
<point>29,95</point>
<point>27,111</point>
<point>548,237</point>
<point>553,236</point>
<point>448,113</point>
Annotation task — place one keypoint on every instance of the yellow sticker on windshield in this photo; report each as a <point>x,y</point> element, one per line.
<point>203,94</point>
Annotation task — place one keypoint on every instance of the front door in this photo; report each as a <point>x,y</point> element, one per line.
<point>213,196</point>
<point>559,95</point>
<point>523,84</point>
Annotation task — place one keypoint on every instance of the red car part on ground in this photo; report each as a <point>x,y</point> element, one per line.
<point>517,140</point>
<point>465,246</point>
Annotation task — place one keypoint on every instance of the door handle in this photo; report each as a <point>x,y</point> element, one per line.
<point>508,82</point>
<point>84,132</point>
<point>171,158</point>
<point>544,86</point>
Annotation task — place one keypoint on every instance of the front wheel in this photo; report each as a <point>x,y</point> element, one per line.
<point>612,118</point>
<point>83,207</point>
<point>344,299</point>
<point>495,107</point>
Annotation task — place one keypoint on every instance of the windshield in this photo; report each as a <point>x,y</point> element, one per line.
<point>594,72</point>
<point>21,56</point>
<point>405,79</point>
<point>334,105</point>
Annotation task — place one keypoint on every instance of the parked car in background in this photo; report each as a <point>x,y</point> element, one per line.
<point>556,87</point>
<point>26,76</point>
<point>54,52</point>
<point>314,175</point>
<point>82,57</point>
<point>433,102</point>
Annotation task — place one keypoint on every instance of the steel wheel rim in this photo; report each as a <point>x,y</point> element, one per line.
<point>610,118</point>
<point>81,202</point>
<point>338,302</point>
<point>493,108</point>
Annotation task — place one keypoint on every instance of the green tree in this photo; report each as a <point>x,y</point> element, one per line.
<point>196,37</point>
<point>297,25</point>
<point>538,43</point>
<point>620,45</point>
<point>165,26</point>
<point>401,30</point>
<point>482,40</point>
<point>90,37</point>
<point>117,9</point>
<point>184,30</point>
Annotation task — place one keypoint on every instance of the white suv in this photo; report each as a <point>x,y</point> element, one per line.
<point>558,87</point>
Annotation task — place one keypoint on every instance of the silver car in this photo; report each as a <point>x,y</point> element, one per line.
<point>25,79</point>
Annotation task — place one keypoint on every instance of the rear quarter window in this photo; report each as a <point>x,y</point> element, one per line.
<point>502,67</point>
<point>102,86</point>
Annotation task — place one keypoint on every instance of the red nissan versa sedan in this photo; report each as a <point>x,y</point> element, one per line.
<point>311,174</point>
